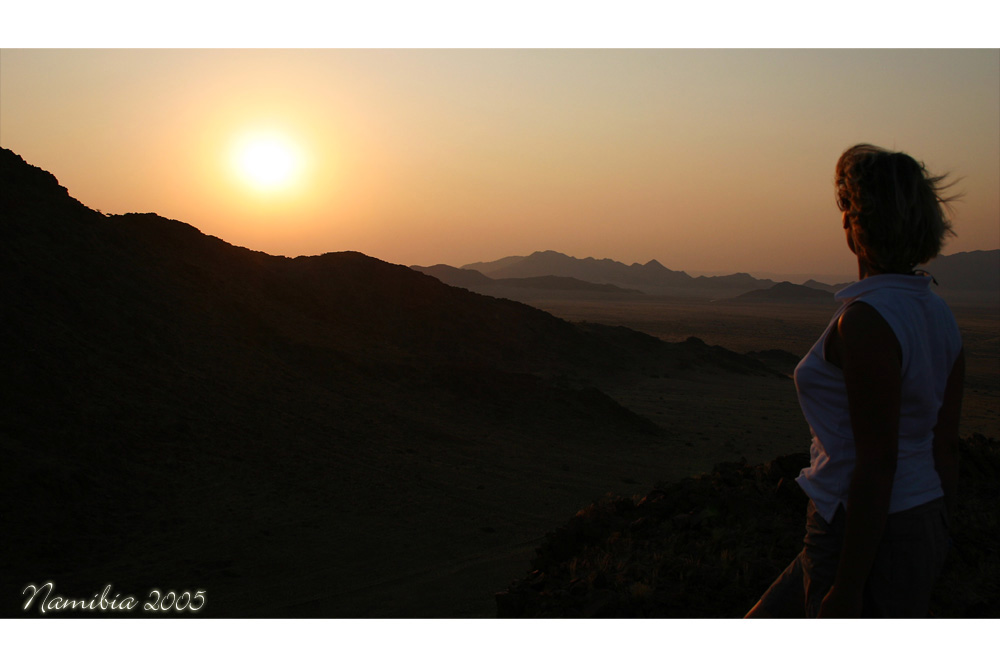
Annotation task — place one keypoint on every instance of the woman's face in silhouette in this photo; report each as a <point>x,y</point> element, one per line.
<point>847,233</point>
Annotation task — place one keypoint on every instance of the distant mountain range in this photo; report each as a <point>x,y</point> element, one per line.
<point>962,276</point>
<point>968,275</point>
<point>649,278</point>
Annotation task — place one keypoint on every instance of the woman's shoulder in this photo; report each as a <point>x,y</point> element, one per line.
<point>861,332</point>
<point>862,318</point>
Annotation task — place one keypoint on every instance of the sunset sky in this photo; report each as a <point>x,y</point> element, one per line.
<point>710,161</point>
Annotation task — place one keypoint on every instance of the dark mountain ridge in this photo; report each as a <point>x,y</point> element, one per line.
<point>169,393</point>
<point>964,276</point>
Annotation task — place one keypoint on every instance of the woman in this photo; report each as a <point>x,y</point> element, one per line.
<point>882,391</point>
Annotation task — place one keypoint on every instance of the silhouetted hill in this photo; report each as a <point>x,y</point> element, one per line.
<point>151,274</point>
<point>650,278</point>
<point>786,292</point>
<point>180,412</point>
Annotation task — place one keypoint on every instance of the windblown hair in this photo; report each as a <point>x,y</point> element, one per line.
<point>894,208</point>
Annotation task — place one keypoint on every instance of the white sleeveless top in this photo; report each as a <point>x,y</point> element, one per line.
<point>930,343</point>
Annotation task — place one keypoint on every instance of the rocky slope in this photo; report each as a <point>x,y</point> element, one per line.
<point>708,547</point>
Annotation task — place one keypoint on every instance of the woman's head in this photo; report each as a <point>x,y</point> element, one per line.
<point>892,208</point>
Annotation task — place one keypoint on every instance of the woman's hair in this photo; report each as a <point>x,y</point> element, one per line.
<point>893,208</point>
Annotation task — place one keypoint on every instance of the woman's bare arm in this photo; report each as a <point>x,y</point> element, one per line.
<point>868,352</point>
<point>946,433</point>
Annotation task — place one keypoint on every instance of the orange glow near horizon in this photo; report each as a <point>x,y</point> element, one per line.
<point>704,160</point>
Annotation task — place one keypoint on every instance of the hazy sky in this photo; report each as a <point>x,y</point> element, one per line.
<point>706,160</point>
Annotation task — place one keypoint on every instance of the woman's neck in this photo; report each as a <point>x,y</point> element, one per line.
<point>866,271</point>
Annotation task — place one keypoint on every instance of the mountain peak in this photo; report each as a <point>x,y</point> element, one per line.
<point>549,253</point>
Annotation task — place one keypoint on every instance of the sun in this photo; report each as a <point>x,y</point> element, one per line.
<point>267,161</point>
